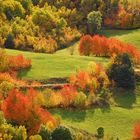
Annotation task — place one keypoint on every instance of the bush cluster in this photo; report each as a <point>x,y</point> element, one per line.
<point>13,63</point>
<point>85,88</point>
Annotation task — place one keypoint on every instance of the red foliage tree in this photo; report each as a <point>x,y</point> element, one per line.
<point>86,44</point>
<point>136,131</point>
<point>105,46</point>
<point>23,110</point>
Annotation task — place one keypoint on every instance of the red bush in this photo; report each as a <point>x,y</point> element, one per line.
<point>18,62</point>
<point>136,131</point>
<point>23,110</point>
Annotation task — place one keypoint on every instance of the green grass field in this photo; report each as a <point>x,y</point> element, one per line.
<point>117,122</point>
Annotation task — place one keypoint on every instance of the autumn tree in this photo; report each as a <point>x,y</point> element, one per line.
<point>86,44</point>
<point>23,110</point>
<point>12,8</point>
<point>94,20</point>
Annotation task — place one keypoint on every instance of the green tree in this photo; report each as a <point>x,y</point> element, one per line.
<point>43,132</point>
<point>121,72</point>
<point>61,133</point>
<point>12,9</point>
<point>27,5</point>
<point>94,21</point>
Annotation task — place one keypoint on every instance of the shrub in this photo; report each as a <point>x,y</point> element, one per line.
<point>67,36</point>
<point>6,77</point>
<point>35,137</point>
<point>80,100</point>
<point>5,87</point>
<point>44,133</point>
<point>100,132</point>
<point>61,133</point>
<point>13,133</point>
<point>136,131</point>
<point>18,62</point>
<point>80,80</point>
<point>121,71</point>
<point>13,63</point>
<point>91,99</point>
<point>68,94</point>
<point>51,98</point>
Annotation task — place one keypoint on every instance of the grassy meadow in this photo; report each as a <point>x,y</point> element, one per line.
<point>62,64</point>
<point>46,66</point>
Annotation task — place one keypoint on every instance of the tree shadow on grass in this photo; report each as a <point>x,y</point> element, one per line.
<point>78,115</point>
<point>106,109</point>
<point>73,115</point>
<point>124,98</point>
<point>22,73</point>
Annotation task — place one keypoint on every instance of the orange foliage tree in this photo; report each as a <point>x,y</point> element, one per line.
<point>80,80</point>
<point>68,94</point>
<point>23,110</point>
<point>86,44</point>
